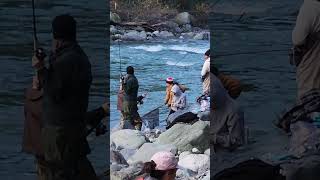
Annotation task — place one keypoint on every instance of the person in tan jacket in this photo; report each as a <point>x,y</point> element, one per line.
<point>169,94</point>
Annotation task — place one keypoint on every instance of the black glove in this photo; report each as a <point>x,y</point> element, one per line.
<point>139,99</point>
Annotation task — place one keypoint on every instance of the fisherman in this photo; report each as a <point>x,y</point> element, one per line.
<point>169,94</point>
<point>66,83</point>
<point>306,42</point>
<point>233,86</point>
<point>34,123</point>
<point>227,126</point>
<point>130,113</point>
<point>179,100</point>
<point>205,73</point>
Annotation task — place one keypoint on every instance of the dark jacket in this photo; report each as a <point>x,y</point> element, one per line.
<point>130,87</point>
<point>66,85</point>
<point>33,121</point>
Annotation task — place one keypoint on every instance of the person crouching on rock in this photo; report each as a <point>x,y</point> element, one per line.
<point>179,100</point>
<point>227,124</point>
<point>169,94</point>
<point>163,166</point>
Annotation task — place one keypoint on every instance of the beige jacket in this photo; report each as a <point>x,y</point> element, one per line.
<point>308,71</point>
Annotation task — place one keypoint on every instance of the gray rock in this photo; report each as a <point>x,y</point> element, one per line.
<point>183,18</point>
<point>127,153</point>
<point>113,29</point>
<point>116,37</point>
<point>195,150</point>
<point>201,36</point>
<point>156,33</point>
<point>127,139</point>
<point>185,136</point>
<point>147,150</point>
<point>204,116</point>
<point>116,167</point>
<point>207,152</point>
<point>128,173</point>
<point>117,158</point>
<point>187,28</point>
<point>165,34</point>
<point>178,30</point>
<point>134,36</point>
<point>114,17</point>
<point>183,154</point>
<point>198,163</point>
<point>188,35</point>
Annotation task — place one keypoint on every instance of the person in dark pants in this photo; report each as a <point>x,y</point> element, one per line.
<point>66,83</point>
<point>130,115</point>
<point>33,124</point>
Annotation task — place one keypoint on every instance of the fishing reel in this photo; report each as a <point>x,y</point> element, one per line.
<point>40,54</point>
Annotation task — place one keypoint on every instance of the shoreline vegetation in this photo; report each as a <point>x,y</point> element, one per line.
<point>148,20</point>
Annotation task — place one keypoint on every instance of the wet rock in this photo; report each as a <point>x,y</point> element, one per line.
<point>204,116</point>
<point>115,18</point>
<point>133,35</point>
<point>127,139</point>
<point>183,18</point>
<point>198,163</point>
<point>186,28</point>
<point>201,36</point>
<point>147,150</point>
<point>185,136</point>
<point>165,34</point>
<point>113,29</point>
<point>188,35</point>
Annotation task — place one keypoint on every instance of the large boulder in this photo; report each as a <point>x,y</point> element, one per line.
<point>198,163</point>
<point>165,34</point>
<point>183,18</point>
<point>134,36</point>
<point>185,136</point>
<point>127,139</point>
<point>184,116</point>
<point>115,18</point>
<point>147,150</point>
<point>127,153</point>
<point>128,173</point>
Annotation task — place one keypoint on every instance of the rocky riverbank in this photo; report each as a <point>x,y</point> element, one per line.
<point>183,26</point>
<point>129,149</point>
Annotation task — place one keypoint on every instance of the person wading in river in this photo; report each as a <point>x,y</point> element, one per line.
<point>169,94</point>
<point>33,124</point>
<point>130,115</point>
<point>306,41</point>
<point>205,73</point>
<point>66,83</point>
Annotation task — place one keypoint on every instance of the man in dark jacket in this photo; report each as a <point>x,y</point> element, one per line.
<point>33,124</point>
<point>129,106</point>
<point>66,83</point>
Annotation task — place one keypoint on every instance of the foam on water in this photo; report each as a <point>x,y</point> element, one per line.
<point>182,64</point>
<point>183,49</point>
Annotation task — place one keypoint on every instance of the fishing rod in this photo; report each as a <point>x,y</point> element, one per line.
<point>249,53</point>
<point>35,38</point>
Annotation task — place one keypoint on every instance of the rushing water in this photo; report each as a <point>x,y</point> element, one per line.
<point>153,63</point>
<point>269,76</point>
<point>16,72</point>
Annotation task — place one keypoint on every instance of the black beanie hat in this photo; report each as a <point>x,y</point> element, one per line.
<point>130,70</point>
<point>64,27</point>
<point>207,52</point>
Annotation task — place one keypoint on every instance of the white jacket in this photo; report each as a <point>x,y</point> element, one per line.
<point>205,67</point>
<point>179,100</point>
